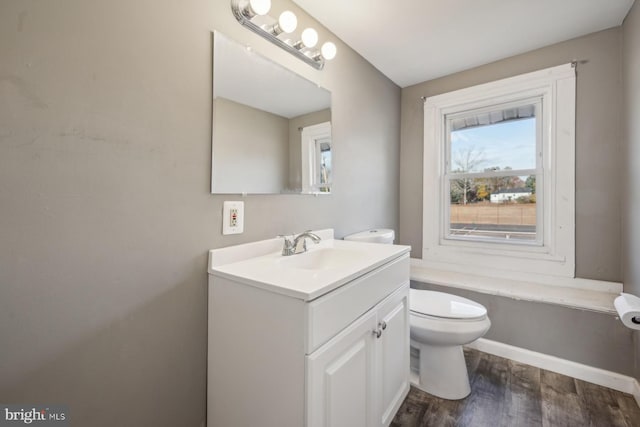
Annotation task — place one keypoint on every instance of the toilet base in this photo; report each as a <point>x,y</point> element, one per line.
<point>443,371</point>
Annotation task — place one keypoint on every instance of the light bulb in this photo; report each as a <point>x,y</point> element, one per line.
<point>309,37</point>
<point>260,7</point>
<point>287,22</point>
<point>329,51</point>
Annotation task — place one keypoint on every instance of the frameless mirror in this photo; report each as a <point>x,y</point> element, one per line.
<point>271,128</point>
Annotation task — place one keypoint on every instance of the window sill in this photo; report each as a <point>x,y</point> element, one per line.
<point>578,293</point>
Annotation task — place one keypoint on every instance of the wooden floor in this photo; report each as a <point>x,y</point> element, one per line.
<point>507,393</point>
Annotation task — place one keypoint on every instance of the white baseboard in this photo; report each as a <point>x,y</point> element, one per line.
<point>582,372</point>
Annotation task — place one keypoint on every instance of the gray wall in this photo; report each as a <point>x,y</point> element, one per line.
<point>598,134</point>
<point>631,159</point>
<point>105,210</point>
<point>591,338</point>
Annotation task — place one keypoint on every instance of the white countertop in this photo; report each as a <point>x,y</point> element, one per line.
<point>262,265</point>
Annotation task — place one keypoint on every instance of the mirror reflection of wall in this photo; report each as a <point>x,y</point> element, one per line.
<point>259,111</point>
<point>257,158</point>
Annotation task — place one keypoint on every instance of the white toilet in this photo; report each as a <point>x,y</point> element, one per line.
<point>377,235</point>
<point>440,325</point>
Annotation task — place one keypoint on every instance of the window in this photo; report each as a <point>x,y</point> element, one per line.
<point>493,162</point>
<point>499,175</point>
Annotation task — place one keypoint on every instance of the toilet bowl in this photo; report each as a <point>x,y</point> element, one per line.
<point>440,325</point>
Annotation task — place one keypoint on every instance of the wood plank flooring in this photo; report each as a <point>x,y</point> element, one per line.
<point>511,394</point>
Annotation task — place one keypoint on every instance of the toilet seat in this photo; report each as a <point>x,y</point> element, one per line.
<point>443,306</point>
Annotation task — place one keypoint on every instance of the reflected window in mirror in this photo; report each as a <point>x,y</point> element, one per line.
<point>316,158</point>
<point>259,110</point>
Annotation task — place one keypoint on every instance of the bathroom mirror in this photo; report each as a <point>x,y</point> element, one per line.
<point>271,128</point>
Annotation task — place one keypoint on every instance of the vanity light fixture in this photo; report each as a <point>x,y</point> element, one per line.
<point>308,38</point>
<point>253,15</point>
<point>287,23</point>
<point>329,51</point>
<point>256,7</point>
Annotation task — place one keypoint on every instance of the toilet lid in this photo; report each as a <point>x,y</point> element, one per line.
<point>440,304</point>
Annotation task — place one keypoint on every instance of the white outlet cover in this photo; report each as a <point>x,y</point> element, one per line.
<point>230,208</point>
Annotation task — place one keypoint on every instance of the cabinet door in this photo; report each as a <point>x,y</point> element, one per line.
<point>393,355</point>
<point>340,375</point>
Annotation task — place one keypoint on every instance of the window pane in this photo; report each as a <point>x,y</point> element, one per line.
<point>493,208</point>
<point>499,140</point>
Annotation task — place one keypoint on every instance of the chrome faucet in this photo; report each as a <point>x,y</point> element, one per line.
<point>298,244</point>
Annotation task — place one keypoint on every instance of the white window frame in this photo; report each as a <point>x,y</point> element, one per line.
<point>555,253</point>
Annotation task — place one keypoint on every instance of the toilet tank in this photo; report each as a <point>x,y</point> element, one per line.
<point>378,235</point>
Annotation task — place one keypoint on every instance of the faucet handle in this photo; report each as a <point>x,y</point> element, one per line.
<point>287,247</point>
<point>288,238</point>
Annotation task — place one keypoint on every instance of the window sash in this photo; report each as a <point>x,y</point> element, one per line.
<point>539,173</point>
<point>492,174</point>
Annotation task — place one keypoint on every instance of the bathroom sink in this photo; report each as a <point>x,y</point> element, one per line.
<point>322,259</point>
<point>309,275</point>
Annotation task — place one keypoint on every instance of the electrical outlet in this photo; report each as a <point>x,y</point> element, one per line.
<point>232,217</point>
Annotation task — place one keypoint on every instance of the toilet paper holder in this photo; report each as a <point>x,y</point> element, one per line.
<point>628,308</point>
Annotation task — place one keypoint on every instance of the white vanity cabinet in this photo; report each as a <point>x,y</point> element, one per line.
<point>360,377</point>
<point>294,355</point>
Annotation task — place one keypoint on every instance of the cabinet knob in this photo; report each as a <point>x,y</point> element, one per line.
<point>377,333</point>
<point>383,325</point>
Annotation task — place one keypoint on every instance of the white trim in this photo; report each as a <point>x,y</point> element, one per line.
<point>556,257</point>
<point>594,295</point>
<point>601,377</point>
